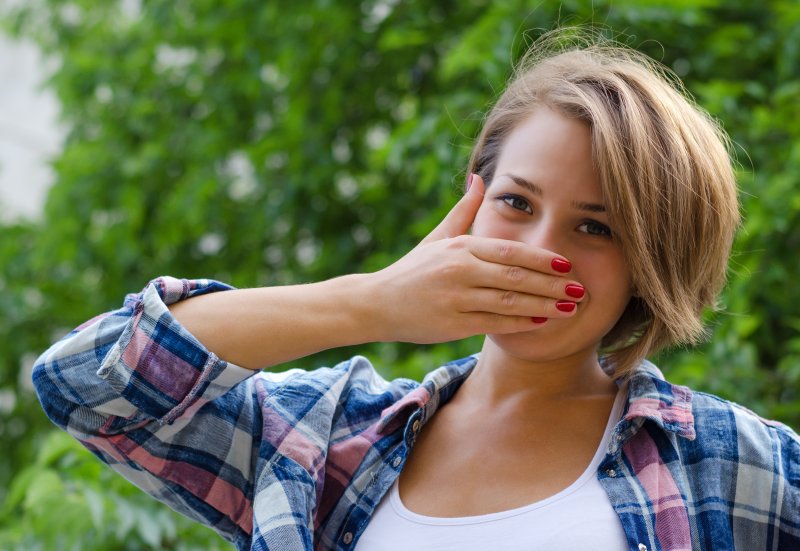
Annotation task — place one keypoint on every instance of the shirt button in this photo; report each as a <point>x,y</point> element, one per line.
<point>348,538</point>
<point>415,426</point>
<point>397,461</point>
<point>642,547</point>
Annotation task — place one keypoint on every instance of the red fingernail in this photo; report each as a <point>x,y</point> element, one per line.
<point>469,180</point>
<point>561,265</point>
<point>538,320</point>
<point>575,291</point>
<point>565,305</point>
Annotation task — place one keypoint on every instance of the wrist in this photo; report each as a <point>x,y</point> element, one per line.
<point>358,308</point>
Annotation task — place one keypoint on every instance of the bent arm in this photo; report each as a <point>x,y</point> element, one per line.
<point>134,386</point>
<point>263,327</point>
<point>444,289</point>
<point>163,372</point>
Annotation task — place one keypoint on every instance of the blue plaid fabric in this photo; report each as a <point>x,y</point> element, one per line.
<point>299,460</point>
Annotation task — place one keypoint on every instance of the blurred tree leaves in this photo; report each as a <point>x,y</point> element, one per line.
<point>275,142</point>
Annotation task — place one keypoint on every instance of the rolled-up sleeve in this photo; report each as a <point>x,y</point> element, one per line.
<point>133,385</point>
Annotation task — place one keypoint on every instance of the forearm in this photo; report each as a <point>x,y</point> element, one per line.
<point>262,327</point>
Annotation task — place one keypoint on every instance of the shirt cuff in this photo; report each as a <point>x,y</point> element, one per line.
<point>157,365</point>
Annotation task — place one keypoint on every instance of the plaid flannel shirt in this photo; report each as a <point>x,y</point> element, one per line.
<point>300,460</point>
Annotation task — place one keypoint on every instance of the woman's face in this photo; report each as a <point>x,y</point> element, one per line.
<point>545,193</point>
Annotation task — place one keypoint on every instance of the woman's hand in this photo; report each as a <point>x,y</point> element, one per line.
<point>453,285</point>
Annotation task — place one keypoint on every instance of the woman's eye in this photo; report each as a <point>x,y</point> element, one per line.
<point>516,202</point>
<point>595,228</point>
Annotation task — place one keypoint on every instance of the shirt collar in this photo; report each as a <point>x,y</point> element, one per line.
<point>649,398</point>
<point>437,387</point>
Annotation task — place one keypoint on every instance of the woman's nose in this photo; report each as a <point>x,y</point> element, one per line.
<point>545,235</point>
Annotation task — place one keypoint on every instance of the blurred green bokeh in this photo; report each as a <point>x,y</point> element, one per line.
<point>269,142</point>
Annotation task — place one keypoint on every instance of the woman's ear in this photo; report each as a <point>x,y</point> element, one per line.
<point>635,291</point>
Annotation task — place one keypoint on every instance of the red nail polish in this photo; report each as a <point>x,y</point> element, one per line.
<point>469,180</point>
<point>538,320</point>
<point>565,305</point>
<point>561,265</point>
<point>574,291</point>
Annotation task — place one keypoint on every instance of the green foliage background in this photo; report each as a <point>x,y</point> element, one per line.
<point>267,142</point>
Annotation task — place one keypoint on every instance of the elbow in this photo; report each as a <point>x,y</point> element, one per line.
<point>65,376</point>
<point>48,391</point>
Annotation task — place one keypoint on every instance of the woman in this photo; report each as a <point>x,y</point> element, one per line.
<point>602,207</point>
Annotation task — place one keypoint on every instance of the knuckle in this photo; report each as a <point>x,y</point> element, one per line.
<point>450,270</point>
<point>455,301</point>
<point>505,251</point>
<point>456,245</point>
<point>509,298</point>
<point>514,274</point>
<point>451,244</point>
<point>458,242</point>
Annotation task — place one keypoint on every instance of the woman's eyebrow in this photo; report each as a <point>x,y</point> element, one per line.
<point>522,182</point>
<point>537,190</point>
<point>589,207</point>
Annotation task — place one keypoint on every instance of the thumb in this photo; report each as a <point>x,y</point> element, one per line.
<point>461,216</point>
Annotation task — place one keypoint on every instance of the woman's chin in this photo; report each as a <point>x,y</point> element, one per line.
<point>534,346</point>
<point>544,344</point>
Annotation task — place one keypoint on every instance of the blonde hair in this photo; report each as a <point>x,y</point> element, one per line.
<point>665,173</point>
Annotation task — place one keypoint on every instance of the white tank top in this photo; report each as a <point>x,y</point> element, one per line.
<point>578,517</point>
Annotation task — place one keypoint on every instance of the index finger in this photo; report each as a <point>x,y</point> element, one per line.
<point>514,253</point>
<point>459,219</point>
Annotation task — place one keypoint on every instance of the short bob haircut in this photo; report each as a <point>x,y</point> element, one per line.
<point>665,173</point>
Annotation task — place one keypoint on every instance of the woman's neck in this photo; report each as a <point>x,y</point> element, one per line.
<point>503,380</point>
